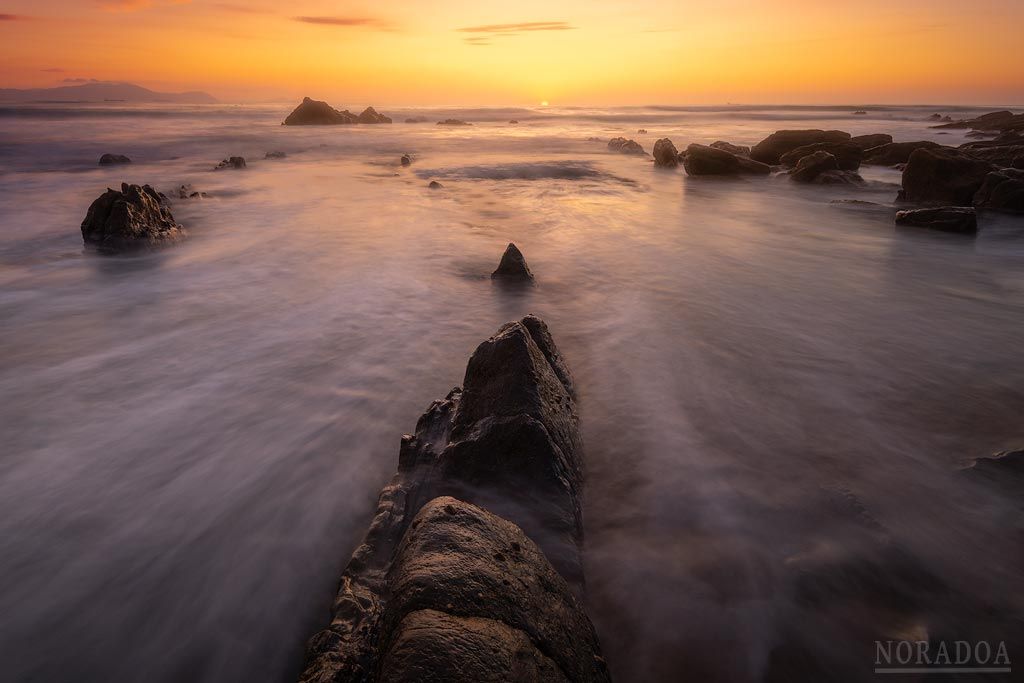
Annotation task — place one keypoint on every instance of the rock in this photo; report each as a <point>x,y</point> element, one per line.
<point>813,165</point>
<point>738,150</point>
<point>1003,470</point>
<point>434,185</point>
<point>624,146</point>
<point>1002,190</point>
<point>513,265</point>
<point>866,142</point>
<point>188,192</point>
<point>136,217</point>
<point>111,159</point>
<point>839,177</point>
<point>316,113</point>
<point>993,121</point>
<point>935,117</point>
<point>406,160</point>
<point>771,149</point>
<point>453,122</point>
<point>894,153</point>
<point>513,122</point>
<point>594,139</point>
<point>370,115</point>
<point>848,156</point>
<point>458,576</point>
<point>995,151</point>
<point>231,162</point>
<point>860,113</point>
<point>417,119</point>
<point>641,131</point>
<point>275,155</point>
<point>943,176</point>
<point>961,219</point>
<point>665,154</point>
<point>704,160</point>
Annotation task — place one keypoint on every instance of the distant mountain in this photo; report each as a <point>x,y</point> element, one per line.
<point>103,92</point>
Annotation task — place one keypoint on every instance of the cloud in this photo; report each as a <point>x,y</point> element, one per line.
<point>241,9</point>
<point>54,70</point>
<point>12,17</point>
<point>348,22</point>
<point>135,5</point>
<point>517,28</point>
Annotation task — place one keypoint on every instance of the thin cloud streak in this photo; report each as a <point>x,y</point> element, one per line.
<point>12,17</point>
<point>515,28</point>
<point>349,22</point>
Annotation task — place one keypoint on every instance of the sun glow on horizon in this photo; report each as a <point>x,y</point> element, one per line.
<point>578,52</point>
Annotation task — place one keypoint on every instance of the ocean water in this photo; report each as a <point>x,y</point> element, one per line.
<point>777,387</point>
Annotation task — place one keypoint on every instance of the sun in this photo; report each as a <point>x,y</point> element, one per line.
<point>544,103</point>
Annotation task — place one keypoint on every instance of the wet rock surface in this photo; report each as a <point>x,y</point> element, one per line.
<point>943,176</point>
<point>471,564</point>
<point>704,160</point>
<point>513,265</point>
<point>894,153</point>
<point>770,150</point>
<point>136,217</point>
<point>665,154</point>
<point>960,219</point>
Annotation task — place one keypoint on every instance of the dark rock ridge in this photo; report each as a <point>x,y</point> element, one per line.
<point>943,176</point>
<point>458,576</point>
<point>370,115</point>
<point>624,146</point>
<point>1002,190</point>
<point>136,217</point>
<point>961,219</point>
<point>894,153</point>
<point>771,149</point>
<point>738,150</point>
<point>110,159</point>
<point>704,160</point>
<point>847,155</point>
<point>665,154</point>
<point>453,122</point>
<point>513,265</point>
<point>231,162</point>
<point>866,142</point>
<point>316,113</point>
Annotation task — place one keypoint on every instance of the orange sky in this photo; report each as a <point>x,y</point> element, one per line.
<point>391,52</point>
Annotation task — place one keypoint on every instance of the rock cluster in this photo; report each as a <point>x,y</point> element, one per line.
<point>316,113</point>
<point>624,146</point>
<point>847,155</point>
<point>469,567</point>
<point>770,150</point>
<point>134,217</point>
<point>704,160</point>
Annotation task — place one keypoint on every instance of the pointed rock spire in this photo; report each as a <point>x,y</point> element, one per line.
<point>513,265</point>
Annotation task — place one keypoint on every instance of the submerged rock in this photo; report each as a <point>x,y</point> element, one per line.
<point>771,149</point>
<point>641,131</point>
<point>738,150</point>
<point>406,160</point>
<point>961,219</point>
<point>231,162</point>
<point>943,176</point>
<point>453,122</point>
<point>847,156</point>
<point>813,165</point>
<point>458,576</point>
<point>1002,190</point>
<point>866,142</point>
<point>188,192</point>
<point>624,146</point>
<point>513,265</point>
<point>893,153</point>
<point>275,155</point>
<point>317,113</point>
<point>370,115</point>
<point>704,160</point>
<point>434,185</point>
<point>111,159</point>
<point>665,154</point>
<point>136,217</point>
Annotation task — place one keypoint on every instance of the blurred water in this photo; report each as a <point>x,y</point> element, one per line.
<point>193,439</point>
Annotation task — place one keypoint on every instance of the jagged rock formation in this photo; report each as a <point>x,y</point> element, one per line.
<point>771,149</point>
<point>943,176</point>
<point>847,156</point>
<point>624,146</point>
<point>442,588</point>
<point>894,153</point>
<point>1002,190</point>
<point>705,160</point>
<point>111,159</point>
<point>370,115</point>
<point>962,219</point>
<point>316,113</point>
<point>136,217</point>
<point>665,154</point>
<point>513,265</point>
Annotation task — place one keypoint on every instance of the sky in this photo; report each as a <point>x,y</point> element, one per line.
<point>514,52</point>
